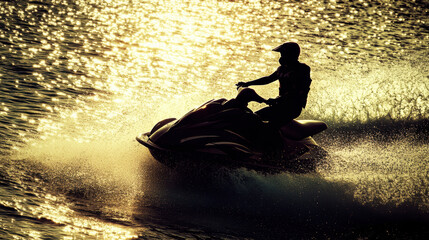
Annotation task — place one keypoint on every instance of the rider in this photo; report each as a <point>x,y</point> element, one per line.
<point>294,78</point>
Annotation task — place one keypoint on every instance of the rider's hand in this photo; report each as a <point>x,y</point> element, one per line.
<point>241,84</point>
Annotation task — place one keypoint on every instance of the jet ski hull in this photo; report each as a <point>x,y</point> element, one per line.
<point>219,134</point>
<point>304,161</point>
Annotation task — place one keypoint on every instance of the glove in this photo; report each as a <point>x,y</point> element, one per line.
<point>241,84</point>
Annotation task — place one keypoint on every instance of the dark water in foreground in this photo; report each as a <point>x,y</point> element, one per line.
<point>80,79</point>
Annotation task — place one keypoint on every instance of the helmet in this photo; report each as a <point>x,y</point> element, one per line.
<point>289,48</point>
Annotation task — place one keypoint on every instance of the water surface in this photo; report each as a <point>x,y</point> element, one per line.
<point>80,79</point>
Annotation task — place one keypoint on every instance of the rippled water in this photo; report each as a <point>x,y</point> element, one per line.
<point>80,79</point>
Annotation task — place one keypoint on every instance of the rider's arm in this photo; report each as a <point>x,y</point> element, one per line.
<point>260,81</point>
<point>264,80</point>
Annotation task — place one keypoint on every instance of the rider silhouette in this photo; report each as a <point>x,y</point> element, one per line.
<point>294,78</point>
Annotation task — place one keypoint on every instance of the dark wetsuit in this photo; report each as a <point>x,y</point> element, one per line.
<point>294,87</point>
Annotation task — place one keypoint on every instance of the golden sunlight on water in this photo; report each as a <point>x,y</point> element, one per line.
<point>40,212</point>
<point>82,78</point>
<point>143,51</point>
<point>121,51</point>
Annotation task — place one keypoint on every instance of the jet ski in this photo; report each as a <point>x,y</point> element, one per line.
<point>222,134</point>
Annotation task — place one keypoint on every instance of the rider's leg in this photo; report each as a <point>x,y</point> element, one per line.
<point>279,115</point>
<point>246,95</point>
